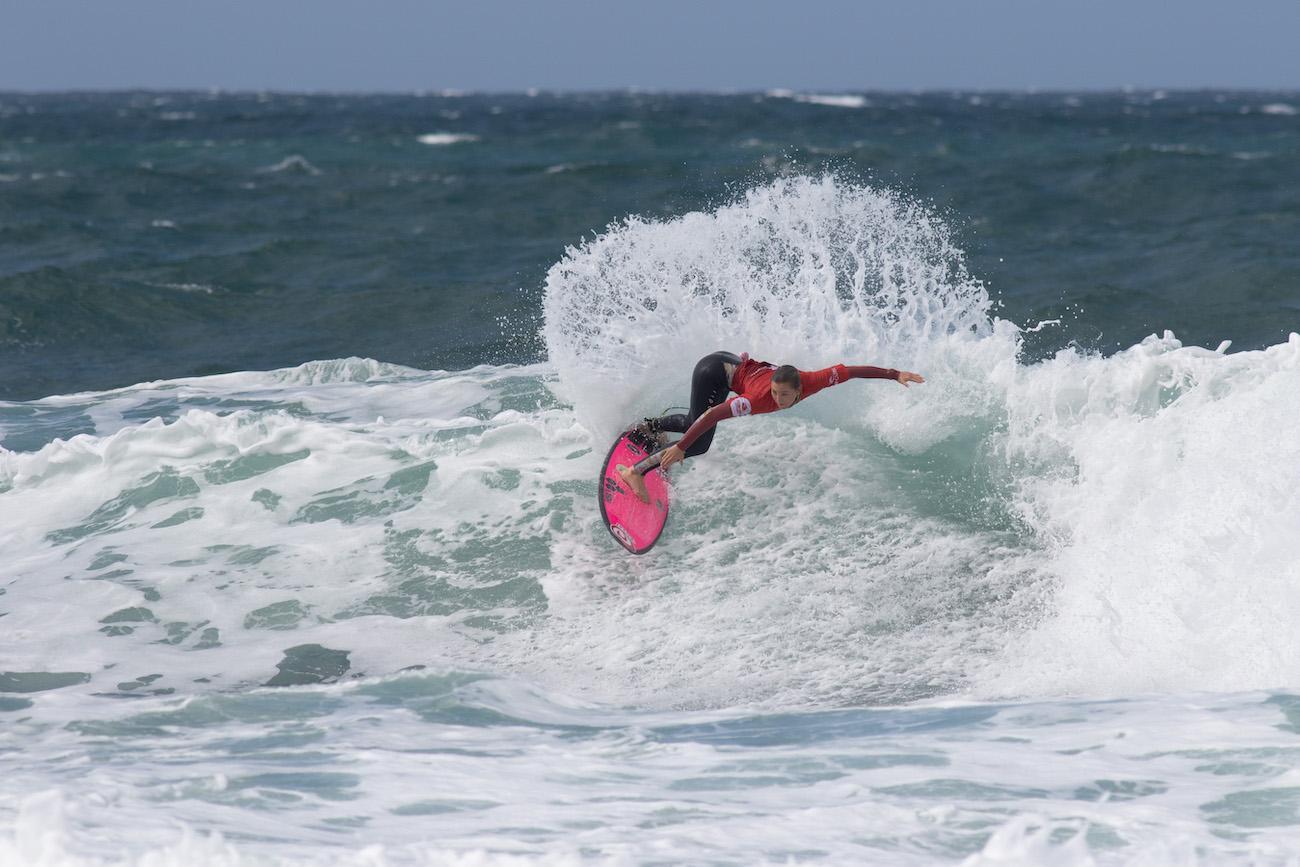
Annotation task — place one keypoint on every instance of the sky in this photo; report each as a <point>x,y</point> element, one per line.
<point>709,45</point>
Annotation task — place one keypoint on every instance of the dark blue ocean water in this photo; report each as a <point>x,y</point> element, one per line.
<point>156,235</point>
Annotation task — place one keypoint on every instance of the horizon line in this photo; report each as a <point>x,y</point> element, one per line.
<point>631,90</point>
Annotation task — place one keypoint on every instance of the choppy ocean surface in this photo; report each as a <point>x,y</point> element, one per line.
<point>302,400</point>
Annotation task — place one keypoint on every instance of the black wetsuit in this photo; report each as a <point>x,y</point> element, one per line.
<point>710,386</point>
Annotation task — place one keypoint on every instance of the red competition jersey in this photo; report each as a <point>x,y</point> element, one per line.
<point>752,384</point>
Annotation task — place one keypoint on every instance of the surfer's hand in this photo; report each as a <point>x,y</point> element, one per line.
<point>906,376</point>
<point>671,455</point>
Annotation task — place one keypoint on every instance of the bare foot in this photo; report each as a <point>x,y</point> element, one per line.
<point>634,481</point>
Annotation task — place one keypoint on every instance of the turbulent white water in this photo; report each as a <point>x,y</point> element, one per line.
<point>352,604</point>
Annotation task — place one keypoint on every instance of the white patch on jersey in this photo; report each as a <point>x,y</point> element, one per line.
<point>740,406</point>
<point>835,375</point>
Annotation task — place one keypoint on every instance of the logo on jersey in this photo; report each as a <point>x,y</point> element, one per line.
<point>835,375</point>
<point>740,406</point>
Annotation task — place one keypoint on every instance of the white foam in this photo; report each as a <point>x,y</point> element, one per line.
<point>1167,499</point>
<point>1146,783</point>
<point>1278,108</point>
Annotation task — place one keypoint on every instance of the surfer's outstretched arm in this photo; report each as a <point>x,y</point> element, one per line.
<point>906,376</point>
<point>816,380</point>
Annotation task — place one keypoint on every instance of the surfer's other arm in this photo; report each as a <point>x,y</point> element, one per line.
<point>737,406</point>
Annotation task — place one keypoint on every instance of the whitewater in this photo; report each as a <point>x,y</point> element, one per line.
<point>354,612</point>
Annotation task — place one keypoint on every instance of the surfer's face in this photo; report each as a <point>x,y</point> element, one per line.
<point>784,395</point>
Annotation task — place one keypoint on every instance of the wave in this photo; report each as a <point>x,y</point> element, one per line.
<point>1148,491</point>
<point>1085,524</point>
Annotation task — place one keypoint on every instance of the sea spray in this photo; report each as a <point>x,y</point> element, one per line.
<point>806,271</point>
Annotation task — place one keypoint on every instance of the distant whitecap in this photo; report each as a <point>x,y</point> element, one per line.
<point>835,100</point>
<point>294,163</point>
<point>446,138</point>
<point>187,287</point>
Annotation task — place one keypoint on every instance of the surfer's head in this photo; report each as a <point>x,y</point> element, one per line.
<point>786,386</point>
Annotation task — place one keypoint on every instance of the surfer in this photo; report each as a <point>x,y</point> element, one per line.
<point>760,387</point>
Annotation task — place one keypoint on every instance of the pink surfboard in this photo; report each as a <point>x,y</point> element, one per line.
<point>636,525</point>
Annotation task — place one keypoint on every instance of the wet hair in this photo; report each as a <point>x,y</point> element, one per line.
<point>787,374</point>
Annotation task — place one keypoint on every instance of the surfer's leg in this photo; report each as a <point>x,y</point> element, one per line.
<point>635,478</point>
<point>710,384</point>
<point>701,445</point>
<point>709,387</point>
<point>678,422</point>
